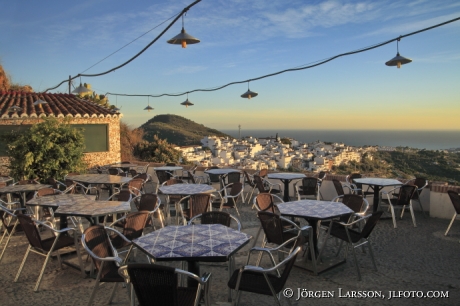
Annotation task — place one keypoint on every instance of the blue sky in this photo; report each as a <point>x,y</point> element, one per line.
<point>42,43</point>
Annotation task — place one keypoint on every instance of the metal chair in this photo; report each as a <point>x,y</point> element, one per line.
<point>150,202</point>
<point>197,204</point>
<point>159,285</point>
<point>455,199</point>
<point>248,179</point>
<point>216,217</point>
<point>230,199</point>
<point>266,281</point>
<point>359,187</point>
<point>133,227</point>
<point>421,183</point>
<point>353,237</point>
<point>264,186</point>
<point>309,188</point>
<point>403,199</point>
<point>97,244</point>
<point>45,247</point>
<point>10,222</point>
<point>339,187</point>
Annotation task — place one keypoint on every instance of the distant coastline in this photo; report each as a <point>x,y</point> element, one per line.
<point>422,139</point>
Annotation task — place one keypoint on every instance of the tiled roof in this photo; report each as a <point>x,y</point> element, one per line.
<point>59,105</point>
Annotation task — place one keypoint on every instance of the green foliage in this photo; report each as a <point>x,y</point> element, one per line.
<point>51,148</point>
<point>177,130</point>
<point>286,141</point>
<point>157,151</point>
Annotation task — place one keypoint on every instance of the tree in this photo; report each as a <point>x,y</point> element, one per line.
<point>51,148</point>
<point>157,151</point>
<point>129,138</point>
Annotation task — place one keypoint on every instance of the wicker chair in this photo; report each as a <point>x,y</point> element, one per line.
<point>455,199</point>
<point>309,188</point>
<point>163,176</point>
<point>229,200</point>
<point>421,183</point>
<point>249,180</point>
<point>48,213</point>
<point>359,187</point>
<point>339,187</point>
<point>197,204</point>
<point>261,186</point>
<point>97,244</point>
<point>159,285</point>
<point>353,237</point>
<point>402,199</point>
<point>133,227</point>
<point>150,202</point>
<point>268,281</point>
<point>10,222</point>
<point>216,217</point>
<point>45,247</point>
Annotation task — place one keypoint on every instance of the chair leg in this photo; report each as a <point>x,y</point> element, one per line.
<point>356,262</point>
<point>22,264</point>
<point>48,256</point>
<point>450,224</point>
<point>96,285</point>
<point>113,292</point>
<point>393,216</point>
<point>412,213</point>
<point>7,241</point>
<point>372,254</point>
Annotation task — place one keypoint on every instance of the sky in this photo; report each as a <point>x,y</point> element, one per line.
<point>43,42</point>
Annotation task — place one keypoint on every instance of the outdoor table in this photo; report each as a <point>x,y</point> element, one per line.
<point>5,179</point>
<point>168,168</point>
<point>22,190</point>
<point>314,211</point>
<point>120,165</point>
<point>193,243</point>
<point>377,184</point>
<point>286,178</point>
<point>105,179</point>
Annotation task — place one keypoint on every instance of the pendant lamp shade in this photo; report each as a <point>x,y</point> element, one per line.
<point>81,89</point>
<point>398,60</point>
<point>14,109</point>
<point>40,102</point>
<point>249,94</point>
<point>183,38</point>
<point>148,108</point>
<point>187,103</point>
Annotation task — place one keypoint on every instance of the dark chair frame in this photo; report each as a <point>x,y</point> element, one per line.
<point>455,199</point>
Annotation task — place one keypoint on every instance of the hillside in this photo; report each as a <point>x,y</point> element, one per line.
<point>177,130</point>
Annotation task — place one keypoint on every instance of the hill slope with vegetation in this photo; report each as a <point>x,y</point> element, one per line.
<point>177,130</point>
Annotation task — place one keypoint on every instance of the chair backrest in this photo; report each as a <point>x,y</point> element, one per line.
<point>31,231</point>
<point>353,176</point>
<point>338,187</point>
<point>46,191</point>
<point>309,186</point>
<point>154,284</point>
<point>97,240</point>
<point>173,181</point>
<point>135,224</point>
<point>51,181</point>
<point>137,183</point>
<point>248,179</point>
<point>406,192</point>
<point>233,177</point>
<point>162,176</point>
<point>148,201</point>
<point>263,173</point>
<point>420,182</point>
<point>7,217</point>
<point>143,176</point>
<point>216,217</point>
<point>354,202</point>
<point>259,184</point>
<point>264,202</point>
<point>272,226</point>
<point>133,172</point>
<point>113,171</point>
<point>191,177</point>
<point>371,223</point>
<point>27,182</point>
<point>124,195</point>
<point>455,199</point>
<point>236,189</point>
<point>69,183</point>
<point>199,203</point>
<point>214,178</point>
<point>322,175</point>
<point>170,164</point>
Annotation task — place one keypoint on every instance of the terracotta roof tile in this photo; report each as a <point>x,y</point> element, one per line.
<point>59,105</point>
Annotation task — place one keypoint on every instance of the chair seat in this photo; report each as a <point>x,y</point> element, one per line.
<point>339,232</point>
<point>64,241</point>
<point>186,296</point>
<point>112,276</point>
<point>255,282</point>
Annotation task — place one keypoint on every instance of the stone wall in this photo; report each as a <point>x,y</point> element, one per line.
<point>92,159</point>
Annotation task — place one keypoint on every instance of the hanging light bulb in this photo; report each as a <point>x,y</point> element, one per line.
<point>148,108</point>
<point>40,103</point>
<point>249,94</point>
<point>183,38</point>
<point>187,103</point>
<point>398,60</point>
<point>81,89</point>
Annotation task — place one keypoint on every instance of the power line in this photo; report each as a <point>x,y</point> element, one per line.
<point>302,67</point>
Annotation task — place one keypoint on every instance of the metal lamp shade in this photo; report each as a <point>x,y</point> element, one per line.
<point>183,39</point>
<point>81,89</point>
<point>14,109</point>
<point>187,103</point>
<point>249,94</point>
<point>398,60</point>
<point>148,108</point>
<point>40,102</point>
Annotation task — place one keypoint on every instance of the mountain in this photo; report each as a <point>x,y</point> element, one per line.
<point>178,130</point>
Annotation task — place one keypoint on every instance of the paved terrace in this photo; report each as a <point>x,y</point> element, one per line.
<point>420,259</point>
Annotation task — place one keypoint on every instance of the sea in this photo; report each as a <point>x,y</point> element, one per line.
<point>420,139</point>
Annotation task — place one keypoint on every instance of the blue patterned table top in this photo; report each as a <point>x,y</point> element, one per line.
<point>99,179</point>
<point>186,189</point>
<point>286,176</point>
<point>56,200</point>
<point>377,181</point>
<point>313,209</point>
<point>201,242</point>
<point>91,208</point>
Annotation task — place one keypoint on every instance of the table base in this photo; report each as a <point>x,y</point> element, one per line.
<point>325,264</point>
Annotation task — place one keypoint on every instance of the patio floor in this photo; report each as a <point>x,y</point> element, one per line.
<point>417,259</point>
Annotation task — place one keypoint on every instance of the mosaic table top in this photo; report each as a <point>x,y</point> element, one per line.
<point>221,171</point>
<point>314,209</point>
<point>286,176</point>
<point>186,189</point>
<point>57,200</point>
<point>201,242</point>
<point>99,179</point>
<point>23,188</point>
<point>89,208</point>
<point>377,181</point>
<point>168,168</point>
<point>119,165</point>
